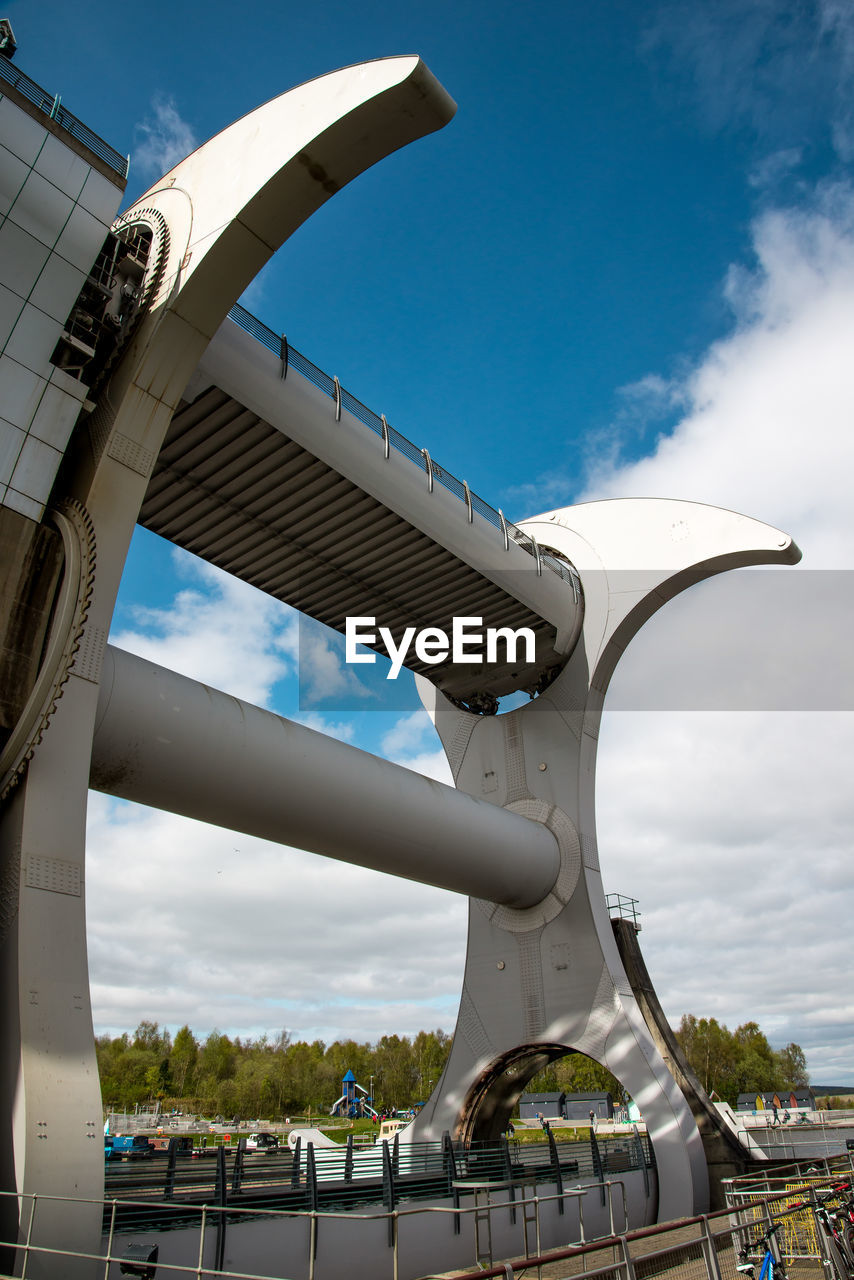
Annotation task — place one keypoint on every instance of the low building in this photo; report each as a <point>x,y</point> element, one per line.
<point>782,1099</point>
<point>579,1106</point>
<point>551,1106</point>
<point>566,1106</point>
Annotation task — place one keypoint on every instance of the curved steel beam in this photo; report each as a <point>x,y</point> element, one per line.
<point>220,214</point>
<point>235,200</point>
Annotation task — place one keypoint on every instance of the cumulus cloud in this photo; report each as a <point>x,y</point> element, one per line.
<point>733,831</point>
<point>324,675</point>
<point>771,168</point>
<point>233,932</point>
<point>734,828</point>
<point>343,730</point>
<point>836,27</point>
<point>217,630</point>
<point>407,733</point>
<point>768,425</point>
<point>411,741</point>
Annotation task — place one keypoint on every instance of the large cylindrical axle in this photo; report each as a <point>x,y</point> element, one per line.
<point>173,743</point>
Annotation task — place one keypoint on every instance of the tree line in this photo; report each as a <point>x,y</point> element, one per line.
<point>728,1063</point>
<point>270,1077</point>
<point>274,1077</point>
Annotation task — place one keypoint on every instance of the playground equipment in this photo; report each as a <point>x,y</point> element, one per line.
<point>350,1104</point>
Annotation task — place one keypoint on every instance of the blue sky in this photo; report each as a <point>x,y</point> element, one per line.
<point>625,267</point>
<point>563,237</point>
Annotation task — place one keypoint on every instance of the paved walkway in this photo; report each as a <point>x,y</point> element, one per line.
<point>684,1260</point>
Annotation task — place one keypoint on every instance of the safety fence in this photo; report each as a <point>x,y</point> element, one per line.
<point>208,1230</point>
<point>200,1216</point>
<point>158,1188</point>
<point>621,907</point>
<point>393,439</point>
<point>52,107</point>
<point>790,1187</point>
<point>707,1247</point>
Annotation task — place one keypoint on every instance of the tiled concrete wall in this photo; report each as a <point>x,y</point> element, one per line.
<point>55,210</point>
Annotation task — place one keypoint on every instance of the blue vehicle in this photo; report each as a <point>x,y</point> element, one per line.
<point>128,1146</point>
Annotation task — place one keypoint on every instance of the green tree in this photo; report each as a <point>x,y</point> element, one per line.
<point>149,1037</point>
<point>303,1071</point>
<point>793,1066</point>
<point>576,1073</point>
<point>396,1071</point>
<point>185,1055</point>
<point>216,1066</point>
<point>430,1051</point>
<point>730,1063</point>
<point>711,1051</point>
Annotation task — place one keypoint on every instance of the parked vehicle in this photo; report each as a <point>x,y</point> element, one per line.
<point>128,1146</point>
<point>389,1128</point>
<point>183,1141</point>
<point>262,1142</point>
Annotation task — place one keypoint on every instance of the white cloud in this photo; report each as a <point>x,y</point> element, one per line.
<point>777,71</point>
<point>432,764</point>
<point>734,828</point>
<point>768,428</point>
<point>733,831</point>
<point>220,631</point>
<point>323,672</point>
<point>836,26</point>
<point>165,138</point>
<point>653,392</point>
<point>220,929</point>
<point>407,734</point>
<point>771,168</point>
<point>411,742</point>
<point>343,730</point>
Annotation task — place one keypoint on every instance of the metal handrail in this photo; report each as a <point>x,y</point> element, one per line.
<point>393,438</point>
<point>709,1236</point>
<point>52,107</point>
<point>216,1214</point>
<point>621,907</point>
<point>420,1167</point>
<point>699,1242</point>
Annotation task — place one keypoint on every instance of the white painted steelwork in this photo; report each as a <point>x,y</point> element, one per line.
<point>548,981</point>
<point>274,481</point>
<point>218,216</point>
<point>56,206</point>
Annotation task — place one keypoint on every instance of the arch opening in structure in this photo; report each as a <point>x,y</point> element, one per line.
<point>494,1096</point>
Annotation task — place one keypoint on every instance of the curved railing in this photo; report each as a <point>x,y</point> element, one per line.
<point>392,439</point>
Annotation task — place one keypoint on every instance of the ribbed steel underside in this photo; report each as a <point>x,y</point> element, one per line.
<point>240,494</point>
